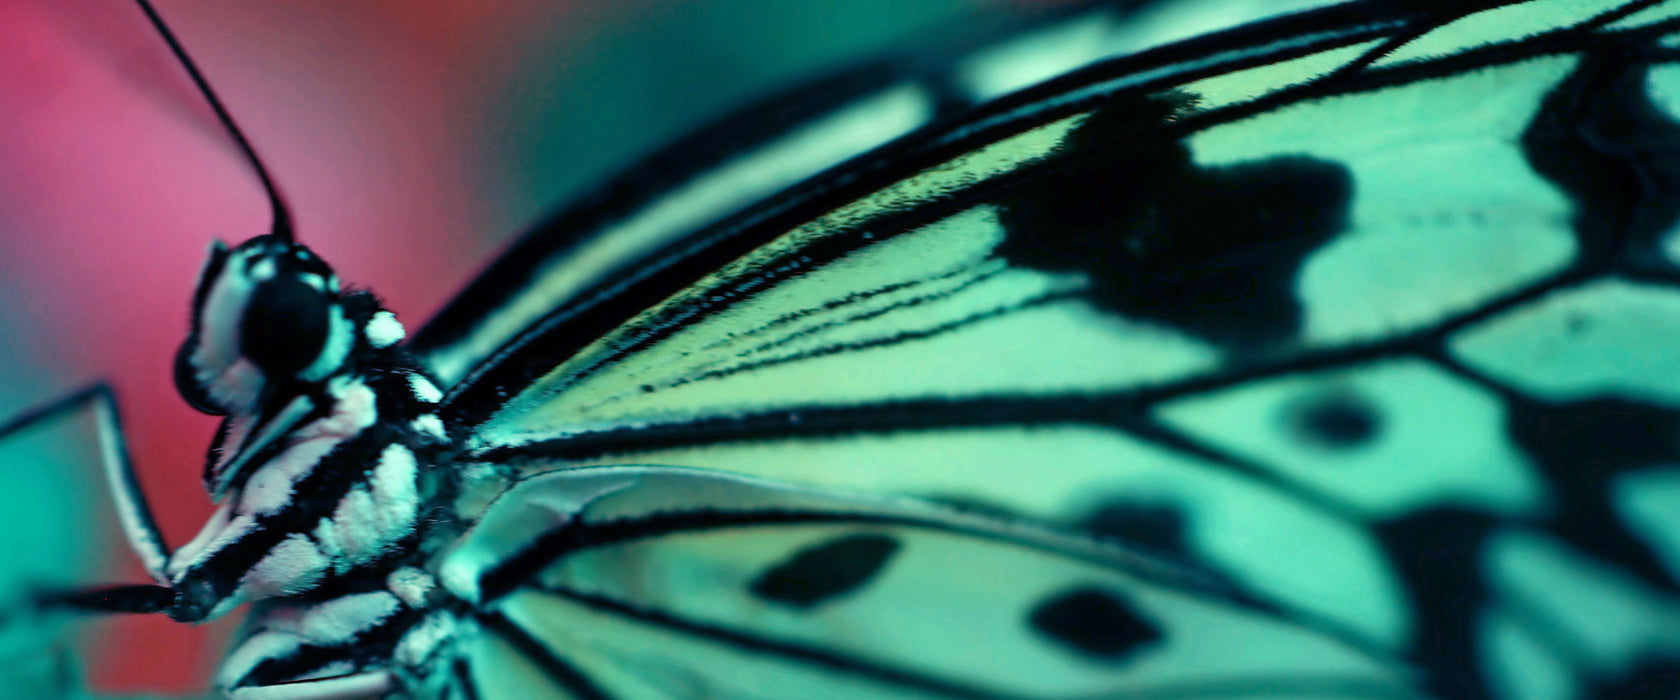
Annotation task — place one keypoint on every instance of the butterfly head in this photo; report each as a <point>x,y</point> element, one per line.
<point>268,313</point>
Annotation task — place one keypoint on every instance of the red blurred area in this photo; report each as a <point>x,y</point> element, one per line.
<point>113,181</point>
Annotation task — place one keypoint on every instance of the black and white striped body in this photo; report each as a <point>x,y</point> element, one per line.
<point>326,536</point>
<point>341,498</point>
<point>325,466</point>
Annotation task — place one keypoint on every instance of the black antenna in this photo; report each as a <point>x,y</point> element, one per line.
<point>282,215</point>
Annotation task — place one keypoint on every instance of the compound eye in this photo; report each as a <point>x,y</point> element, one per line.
<point>286,323</point>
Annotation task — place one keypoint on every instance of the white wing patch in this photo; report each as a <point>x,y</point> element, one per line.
<point>1651,14</point>
<point>1226,89</point>
<point>1611,337</point>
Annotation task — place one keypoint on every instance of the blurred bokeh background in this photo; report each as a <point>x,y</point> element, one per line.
<point>413,138</point>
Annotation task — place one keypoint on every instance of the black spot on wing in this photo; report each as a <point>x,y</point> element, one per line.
<point>825,571</point>
<point>1338,420</point>
<point>1580,447</point>
<point>1599,138</point>
<point>1095,623</point>
<point>1153,524</point>
<point>1211,250</point>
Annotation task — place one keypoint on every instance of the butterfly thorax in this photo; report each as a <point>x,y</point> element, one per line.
<point>323,466</point>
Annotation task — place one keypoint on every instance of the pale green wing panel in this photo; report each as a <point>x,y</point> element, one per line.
<point>675,583</point>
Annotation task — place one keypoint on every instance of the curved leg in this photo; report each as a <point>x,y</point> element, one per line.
<point>137,523</point>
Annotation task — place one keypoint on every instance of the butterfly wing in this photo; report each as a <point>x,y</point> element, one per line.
<point>675,583</point>
<point>1345,311</point>
<point>777,142</point>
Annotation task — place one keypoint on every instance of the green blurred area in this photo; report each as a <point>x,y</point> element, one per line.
<point>599,93</point>
<point>593,88</point>
<point>59,533</point>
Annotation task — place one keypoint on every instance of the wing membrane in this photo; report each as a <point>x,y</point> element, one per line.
<point>1289,307</point>
<point>682,583</point>
<point>981,244</point>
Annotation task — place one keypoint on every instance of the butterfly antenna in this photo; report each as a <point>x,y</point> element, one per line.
<point>282,215</point>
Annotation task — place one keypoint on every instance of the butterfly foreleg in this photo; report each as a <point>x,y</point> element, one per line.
<point>138,526</point>
<point>35,660</point>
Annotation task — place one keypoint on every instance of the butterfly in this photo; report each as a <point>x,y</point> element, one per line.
<point>1325,356</point>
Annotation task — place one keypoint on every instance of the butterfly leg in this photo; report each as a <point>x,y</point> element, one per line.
<point>137,522</point>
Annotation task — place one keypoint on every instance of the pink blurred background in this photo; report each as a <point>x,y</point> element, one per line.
<point>413,137</point>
